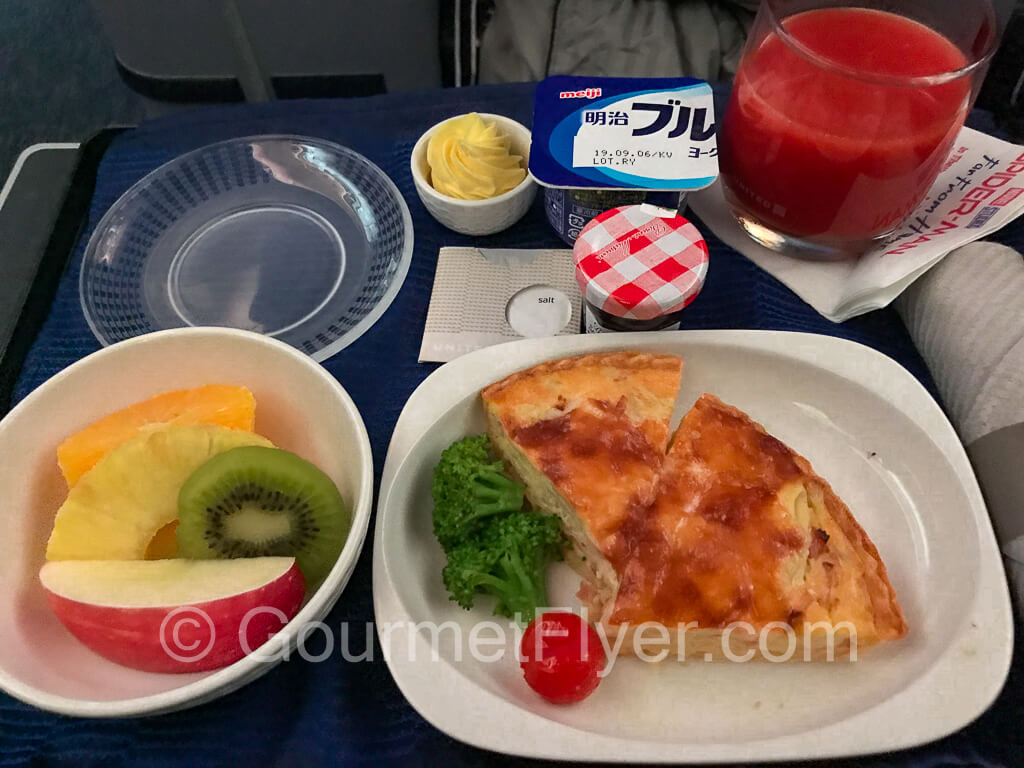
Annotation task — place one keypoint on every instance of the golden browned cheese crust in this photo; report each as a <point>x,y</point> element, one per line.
<point>596,426</point>
<point>743,530</point>
<point>730,526</point>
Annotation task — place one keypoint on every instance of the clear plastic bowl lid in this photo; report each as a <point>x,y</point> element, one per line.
<point>297,238</point>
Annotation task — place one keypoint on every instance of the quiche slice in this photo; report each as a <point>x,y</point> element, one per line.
<point>742,532</point>
<point>587,436</point>
<point>728,545</point>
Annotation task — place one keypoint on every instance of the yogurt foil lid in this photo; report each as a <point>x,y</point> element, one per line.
<point>624,133</point>
<point>640,262</point>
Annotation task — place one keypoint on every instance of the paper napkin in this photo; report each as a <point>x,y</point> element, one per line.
<point>980,190</point>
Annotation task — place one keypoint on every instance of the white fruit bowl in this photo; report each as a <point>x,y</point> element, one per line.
<point>300,407</point>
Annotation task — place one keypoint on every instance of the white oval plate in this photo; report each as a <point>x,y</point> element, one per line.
<point>867,426</point>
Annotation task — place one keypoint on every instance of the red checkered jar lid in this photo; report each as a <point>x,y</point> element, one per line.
<point>640,262</point>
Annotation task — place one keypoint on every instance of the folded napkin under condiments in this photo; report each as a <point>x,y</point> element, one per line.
<point>485,296</point>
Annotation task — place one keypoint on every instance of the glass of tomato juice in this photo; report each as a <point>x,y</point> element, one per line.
<point>842,114</point>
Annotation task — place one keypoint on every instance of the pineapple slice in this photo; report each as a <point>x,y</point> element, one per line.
<point>221,404</point>
<point>116,508</point>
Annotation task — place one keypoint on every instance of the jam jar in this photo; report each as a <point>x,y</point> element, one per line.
<point>639,267</point>
<point>569,210</point>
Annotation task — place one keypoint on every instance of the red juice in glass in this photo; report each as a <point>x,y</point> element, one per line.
<point>839,121</point>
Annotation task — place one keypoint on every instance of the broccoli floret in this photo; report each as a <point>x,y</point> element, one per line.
<point>508,559</point>
<point>469,566</point>
<point>468,488</point>
<point>494,547</point>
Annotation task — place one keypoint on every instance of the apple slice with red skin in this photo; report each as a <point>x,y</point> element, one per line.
<point>174,615</point>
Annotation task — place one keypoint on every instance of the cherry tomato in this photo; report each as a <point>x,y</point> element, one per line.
<point>561,656</point>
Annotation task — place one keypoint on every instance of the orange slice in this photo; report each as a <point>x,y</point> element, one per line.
<point>220,404</point>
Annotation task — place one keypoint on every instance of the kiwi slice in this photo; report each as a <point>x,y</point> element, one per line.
<point>254,502</point>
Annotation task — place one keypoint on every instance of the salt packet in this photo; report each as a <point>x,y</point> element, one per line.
<point>486,296</point>
<point>979,190</point>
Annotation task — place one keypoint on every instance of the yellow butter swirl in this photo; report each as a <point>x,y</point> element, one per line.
<point>470,159</point>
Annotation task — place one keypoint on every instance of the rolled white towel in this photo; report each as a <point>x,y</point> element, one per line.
<point>966,316</point>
